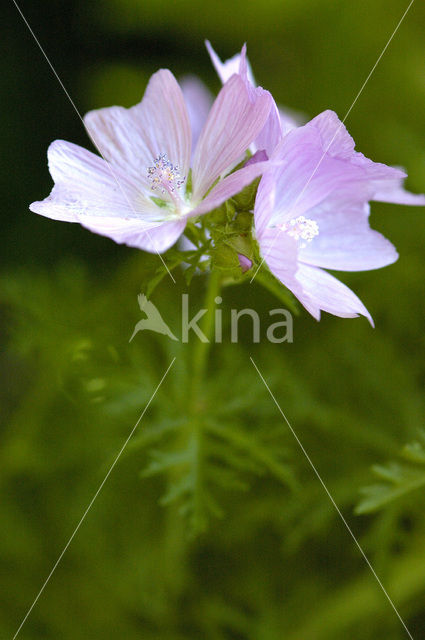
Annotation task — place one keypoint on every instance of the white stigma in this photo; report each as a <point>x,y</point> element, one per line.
<point>301,228</point>
<point>165,176</point>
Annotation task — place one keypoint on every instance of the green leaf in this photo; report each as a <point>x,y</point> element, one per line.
<point>415,451</point>
<point>399,479</point>
<point>189,273</point>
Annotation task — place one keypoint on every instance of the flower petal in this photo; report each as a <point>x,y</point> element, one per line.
<point>87,184</point>
<point>335,138</point>
<point>397,194</point>
<point>134,233</point>
<point>345,241</point>
<point>233,123</point>
<point>59,205</point>
<point>321,291</point>
<point>279,251</point>
<point>264,202</point>
<point>338,143</point>
<point>306,175</point>
<point>198,101</point>
<point>272,132</point>
<point>232,184</point>
<point>133,138</point>
<point>237,64</point>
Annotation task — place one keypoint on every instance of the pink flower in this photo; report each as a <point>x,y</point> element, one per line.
<point>279,122</point>
<point>137,193</point>
<point>311,213</point>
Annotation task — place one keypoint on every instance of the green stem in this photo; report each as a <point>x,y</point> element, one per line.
<point>201,349</point>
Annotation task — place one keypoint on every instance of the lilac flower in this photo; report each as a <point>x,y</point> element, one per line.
<point>279,122</point>
<point>138,192</point>
<point>311,213</point>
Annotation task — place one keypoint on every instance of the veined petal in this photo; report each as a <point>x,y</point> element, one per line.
<point>306,175</point>
<point>237,64</point>
<point>232,184</point>
<point>321,291</point>
<point>59,205</point>
<point>264,202</point>
<point>280,253</point>
<point>345,241</point>
<point>120,139</point>
<point>350,251</point>
<point>378,176</point>
<point>133,138</point>
<point>272,132</point>
<point>135,233</point>
<point>87,184</point>
<point>334,136</point>
<point>233,123</point>
<point>198,101</point>
<point>337,142</point>
<point>397,194</point>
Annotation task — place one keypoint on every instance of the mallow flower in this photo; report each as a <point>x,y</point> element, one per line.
<point>279,122</point>
<point>312,213</point>
<point>145,186</point>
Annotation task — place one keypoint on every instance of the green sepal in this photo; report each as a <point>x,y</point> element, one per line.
<point>243,222</point>
<point>222,214</point>
<point>241,244</point>
<point>225,259</point>
<point>245,199</point>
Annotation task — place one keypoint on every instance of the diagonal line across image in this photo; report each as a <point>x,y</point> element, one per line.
<point>113,174</point>
<point>99,489</point>
<point>313,173</point>
<point>319,477</point>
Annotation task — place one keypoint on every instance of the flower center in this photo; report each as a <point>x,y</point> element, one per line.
<point>165,176</point>
<point>301,228</point>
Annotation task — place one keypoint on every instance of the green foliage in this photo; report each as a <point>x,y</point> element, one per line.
<point>398,480</point>
<point>209,515</point>
<point>211,451</point>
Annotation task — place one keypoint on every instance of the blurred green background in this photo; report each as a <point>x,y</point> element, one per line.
<point>275,560</point>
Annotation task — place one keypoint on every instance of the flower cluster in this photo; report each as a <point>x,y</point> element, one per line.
<point>280,195</point>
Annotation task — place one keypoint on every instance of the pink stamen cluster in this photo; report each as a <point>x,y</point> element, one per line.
<point>164,175</point>
<point>301,228</point>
